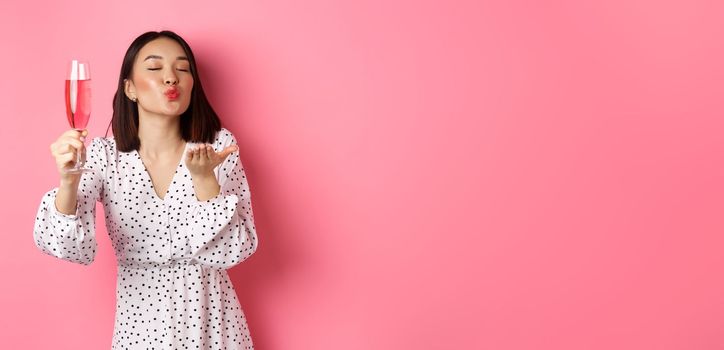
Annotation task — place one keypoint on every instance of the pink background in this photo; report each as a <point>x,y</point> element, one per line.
<point>425,175</point>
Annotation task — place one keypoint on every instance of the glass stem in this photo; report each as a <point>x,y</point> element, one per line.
<point>78,160</point>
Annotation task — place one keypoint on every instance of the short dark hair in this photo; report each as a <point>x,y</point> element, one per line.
<point>199,123</point>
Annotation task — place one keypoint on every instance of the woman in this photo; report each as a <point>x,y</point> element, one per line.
<point>177,205</point>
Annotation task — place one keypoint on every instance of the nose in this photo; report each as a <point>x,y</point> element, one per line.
<point>170,78</point>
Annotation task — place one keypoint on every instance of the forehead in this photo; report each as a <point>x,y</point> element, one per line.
<point>167,48</point>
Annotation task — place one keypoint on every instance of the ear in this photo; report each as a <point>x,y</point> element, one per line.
<point>129,88</point>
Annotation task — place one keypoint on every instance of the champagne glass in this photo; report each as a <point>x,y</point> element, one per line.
<point>77,105</point>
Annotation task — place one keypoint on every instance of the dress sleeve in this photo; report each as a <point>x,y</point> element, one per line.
<point>72,237</point>
<point>221,230</point>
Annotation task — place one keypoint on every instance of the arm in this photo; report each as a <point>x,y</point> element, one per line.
<point>71,236</point>
<point>66,200</point>
<point>221,229</point>
<point>206,186</point>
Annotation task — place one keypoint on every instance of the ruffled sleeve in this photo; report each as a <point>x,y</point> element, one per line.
<point>73,237</point>
<point>221,230</point>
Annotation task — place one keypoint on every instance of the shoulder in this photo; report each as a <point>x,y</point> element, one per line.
<point>103,148</point>
<point>105,144</point>
<point>224,138</point>
<point>98,145</point>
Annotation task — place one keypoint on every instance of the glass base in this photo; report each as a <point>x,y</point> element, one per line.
<point>77,170</point>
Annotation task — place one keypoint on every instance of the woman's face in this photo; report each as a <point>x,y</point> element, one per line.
<point>161,78</point>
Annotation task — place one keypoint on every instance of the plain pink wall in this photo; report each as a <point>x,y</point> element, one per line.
<point>425,175</point>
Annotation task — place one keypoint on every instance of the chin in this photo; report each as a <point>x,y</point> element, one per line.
<point>174,112</point>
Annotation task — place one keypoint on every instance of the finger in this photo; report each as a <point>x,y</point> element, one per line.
<point>66,158</point>
<point>75,141</point>
<point>197,153</point>
<point>209,152</point>
<point>65,148</point>
<point>73,150</point>
<point>63,142</point>
<point>71,133</point>
<point>54,147</point>
<point>77,144</point>
<point>74,134</point>
<point>228,150</point>
<point>76,148</point>
<point>62,158</point>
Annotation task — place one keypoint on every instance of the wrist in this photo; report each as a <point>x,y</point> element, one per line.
<point>69,183</point>
<point>206,186</point>
<point>206,176</point>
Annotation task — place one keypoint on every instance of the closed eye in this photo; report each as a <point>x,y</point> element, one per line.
<point>181,69</point>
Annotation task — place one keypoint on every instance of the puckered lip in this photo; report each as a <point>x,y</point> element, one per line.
<point>171,93</point>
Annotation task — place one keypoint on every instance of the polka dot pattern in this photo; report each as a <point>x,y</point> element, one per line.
<point>172,290</point>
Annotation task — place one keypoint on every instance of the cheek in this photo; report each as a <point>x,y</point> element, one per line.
<point>190,83</point>
<point>145,83</point>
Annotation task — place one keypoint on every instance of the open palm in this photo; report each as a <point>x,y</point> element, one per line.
<point>202,159</point>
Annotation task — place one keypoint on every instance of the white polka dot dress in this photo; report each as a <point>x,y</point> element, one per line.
<point>173,290</point>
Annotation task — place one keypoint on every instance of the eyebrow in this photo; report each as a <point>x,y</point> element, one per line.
<point>184,58</point>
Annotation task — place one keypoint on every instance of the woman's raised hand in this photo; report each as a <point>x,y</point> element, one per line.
<point>64,150</point>
<point>202,159</point>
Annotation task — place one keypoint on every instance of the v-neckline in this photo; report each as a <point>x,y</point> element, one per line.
<point>173,178</point>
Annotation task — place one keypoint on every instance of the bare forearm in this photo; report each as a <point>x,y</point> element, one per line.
<point>66,200</point>
<point>206,186</point>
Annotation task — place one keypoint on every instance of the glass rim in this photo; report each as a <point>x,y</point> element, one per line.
<point>78,69</point>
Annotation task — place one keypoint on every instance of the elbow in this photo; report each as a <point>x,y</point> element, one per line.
<point>248,246</point>
<point>69,250</point>
<point>81,257</point>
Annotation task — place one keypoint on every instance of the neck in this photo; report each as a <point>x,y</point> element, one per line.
<point>160,135</point>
